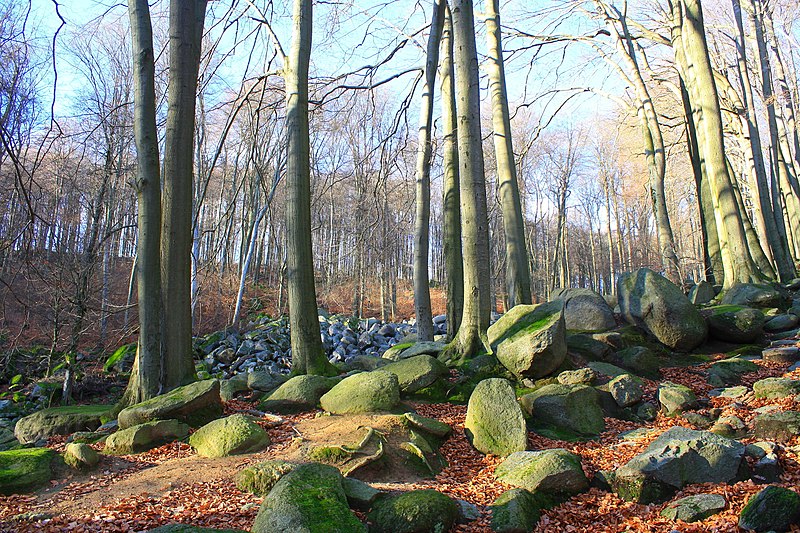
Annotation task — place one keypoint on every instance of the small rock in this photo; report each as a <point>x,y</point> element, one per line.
<point>81,456</point>
<point>675,398</point>
<point>554,471</point>
<point>626,389</point>
<point>772,509</point>
<point>695,508</point>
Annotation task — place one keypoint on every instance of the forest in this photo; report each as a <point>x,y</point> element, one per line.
<point>395,266</point>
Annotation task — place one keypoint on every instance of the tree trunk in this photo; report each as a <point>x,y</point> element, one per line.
<point>422,293</point>
<point>451,201</point>
<point>308,356</point>
<point>186,32</point>
<point>145,380</point>
<point>518,277</point>
<point>471,337</point>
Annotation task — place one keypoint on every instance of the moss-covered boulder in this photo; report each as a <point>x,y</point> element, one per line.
<point>81,456</point>
<point>677,458</point>
<point>695,508</point>
<point>360,495</point>
<point>416,372</point>
<point>494,423</point>
<point>25,470</point>
<point>143,437</point>
<point>753,295</point>
<point>300,393</point>
<point>366,392</point>
<point>626,390</point>
<point>650,300</point>
<point>515,511</point>
<point>734,323</point>
<point>675,398</point>
<point>261,477</point>
<point>265,381</point>
<point>585,310</point>
<point>573,409</point>
<point>531,340</point>
<point>59,421</point>
<point>309,499</point>
<point>729,371</point>
<point>230,388</point>
<point>195,404</point>
<point>416,511</point>
<point>556,472</point>
<point>231,435</point>
<point>406,350</point>
<point>776,387</point>
<point>773,509</point>
<point>779,426</point>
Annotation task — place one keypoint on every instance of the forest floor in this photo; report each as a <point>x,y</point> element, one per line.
<point>173,484</point>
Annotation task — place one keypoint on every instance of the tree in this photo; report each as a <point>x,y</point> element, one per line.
<point>518,277</point>
<point>422,294</point>
<point>307,354</point>
<point>471,336</point>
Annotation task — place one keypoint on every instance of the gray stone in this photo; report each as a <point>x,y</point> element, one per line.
<point>146,436</point>
<point>650,300</point>
<point>752,295</point>
<point>582,376</point>
<point>554,471</point>
<point>415,511</point>
<point>530,340</point>
<point>515,511</point>
<point>572,408</point>
<point>781,323</point>
<point>781,354</point>
<point>59,421</point>
<point>416,372</point>
<point>264,381</point>
<point>585,310</point>
<point>702,293</point>
<point>778,426</point>
<point>194,404</point>
<point>229,388</point>
<point>300,393</point>
<point>776,387</point>
<point>675,398</point>
<point>626,389</point>
<point>80,456</point>
<point>772,509</point>
<point>366,392</point>
<point>494,423</point>
<point>677,458</point>
<point>695,508</point>
<point>259,478</point>
<point>729,371</point>
<point>360,495</point>
<point>309,499</point>
<point>734,323</point>
<point>232,435</point>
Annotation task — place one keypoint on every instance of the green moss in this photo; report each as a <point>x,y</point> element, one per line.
<point>260,478</point>
<point>25,470</point>
<point>231,435</point>
<point>184,528</point>
<point>416,511</point>
<point>329,454</point>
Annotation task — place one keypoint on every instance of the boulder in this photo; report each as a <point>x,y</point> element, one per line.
<point>229,388</point>
<point>675,398</point>
<point>309,499</point>
<point>582,376</point>
<point>626,390</point>
<point>587,347</point>
<point>779,426</point>
<point>416,372</point>
<point>300,393</point>
<point>360,495</point>
<point>265,381</point>
<point>81,456</point>
<point>143,437</point>
<point>428,425</point>
<point>231,435</point>
<point>415,511</point>
<point>25,470</point>
<point>640,360</point>
<point>571,408</point>
<point>781,323</point>
<point>695,508</point>
<point>585,310</point>
<point>530,340</point>
<point>555,471</point>
<point>515,511</point>
<point>407,350</point>
<point>776,387</point>
<point>753,295</point>
<point>729,371</point>
<point>366,392</point>
<point>677,458</point>
<point>259,478</point>
<point>702,293</point>
<point>734,323</point>
<point>494,423</point>
<point>195,404</point>
<point>59,421</point>
<point>773,509</point>
<point>652,301</point>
